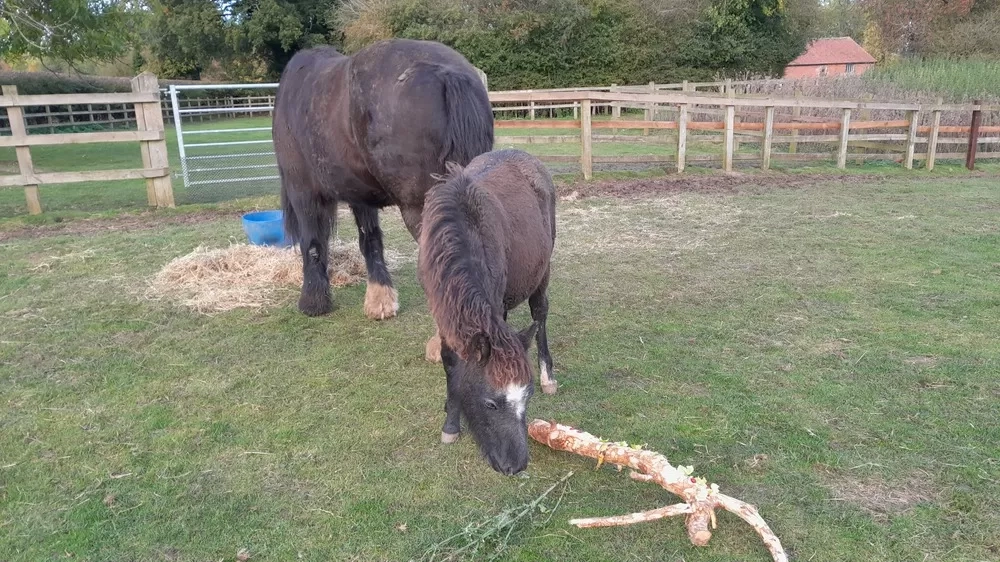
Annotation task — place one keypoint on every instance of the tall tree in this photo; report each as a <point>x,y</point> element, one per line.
<point>185,37</point>
<point>746,37</point>
<point>68,30</point>
<point>905,26</point>
<point>841,18</point>
<point>271,31</point>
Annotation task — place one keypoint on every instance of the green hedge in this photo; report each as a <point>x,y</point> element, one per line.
<point>50,83</point>
<point>559,43</point>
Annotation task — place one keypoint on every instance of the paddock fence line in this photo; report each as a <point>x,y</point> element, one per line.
<point>149,133</point>
<point>762,122</point>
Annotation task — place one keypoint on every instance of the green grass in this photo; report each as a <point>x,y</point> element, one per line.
<point>828,354</point>
<point>964,78</point>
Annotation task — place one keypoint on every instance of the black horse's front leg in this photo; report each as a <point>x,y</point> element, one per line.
<point>452,419</point>
<point>381,299</point>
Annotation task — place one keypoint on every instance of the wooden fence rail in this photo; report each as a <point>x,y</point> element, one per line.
<point>149,133</point>
<point>844,132</point>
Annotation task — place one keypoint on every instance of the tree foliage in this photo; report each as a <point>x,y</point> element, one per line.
<point>185,37</point>
<point>841,18</point>
<point>271,31</point>
<point>548,43</point>
<point>68,30</point>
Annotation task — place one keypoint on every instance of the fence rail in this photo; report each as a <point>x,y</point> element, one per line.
<point>149,133</point>
<point>683,115</point>
<point>687,104</point>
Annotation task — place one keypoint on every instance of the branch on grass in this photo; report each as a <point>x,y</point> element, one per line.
<point>700,498</point>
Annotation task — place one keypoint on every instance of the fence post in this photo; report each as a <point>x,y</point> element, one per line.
<point>531,110</point>
<point>148,117</point>
<point>682,129</point>
<point>731,93</point>
<point>727,157</point>
<point>911,137</point>
<point>576,110</point>
<point>796,113</point>
<point>768,136</point>
<point>977,119</point>
<point>616,108</point>
<point>15,115</point>
<point>933,140</point>
<point>650,107</point>
<point>845,131</point>
<point>586,148</point>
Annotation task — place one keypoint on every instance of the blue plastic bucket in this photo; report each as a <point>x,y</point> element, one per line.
<point>265,228</point>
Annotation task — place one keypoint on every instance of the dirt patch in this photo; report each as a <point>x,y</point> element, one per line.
<point>923,361</point>
<point>713,183</point>
<point>669,225</point>
<point>149,220</point>
<point>716,183</point>
<point>877,496</point>
<point>836,347</point>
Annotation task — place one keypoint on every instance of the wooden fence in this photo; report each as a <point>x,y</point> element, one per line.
<point>843,132</point>
<point>145,99</point>
<point>55,118</point>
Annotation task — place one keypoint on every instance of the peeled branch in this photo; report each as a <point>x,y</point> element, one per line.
<point>700,498</point>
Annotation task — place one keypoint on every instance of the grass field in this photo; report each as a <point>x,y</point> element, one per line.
<point>828,353</point>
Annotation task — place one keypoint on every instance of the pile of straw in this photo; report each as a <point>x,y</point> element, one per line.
<point>245,276</point>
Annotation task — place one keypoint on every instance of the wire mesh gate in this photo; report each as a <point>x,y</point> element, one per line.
<point>224,141</point>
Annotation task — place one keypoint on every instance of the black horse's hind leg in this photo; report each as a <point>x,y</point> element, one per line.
<point>381,299</point>
<point>315,224</point>
<point>452,420</point>
<point>539,304</point>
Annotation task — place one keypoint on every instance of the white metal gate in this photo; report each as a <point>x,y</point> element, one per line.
<point>224,140</point>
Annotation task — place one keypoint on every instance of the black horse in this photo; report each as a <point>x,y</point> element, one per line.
<point>372,130</point>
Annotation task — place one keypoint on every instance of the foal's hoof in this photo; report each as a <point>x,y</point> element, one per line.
<point>550,388</point>
<point>432,352</point>
<point>449,438</point>
<point>381,302</point>
<point>315,304</point>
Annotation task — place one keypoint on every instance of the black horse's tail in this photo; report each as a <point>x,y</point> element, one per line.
<point>288,212</point>
<point>470,116</point>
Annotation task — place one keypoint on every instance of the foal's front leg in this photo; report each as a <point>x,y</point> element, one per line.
<point>452,420</point>
<point>539,304</point>
<point>432,351</point>
<point>412,218</point>
<point>381,299</point>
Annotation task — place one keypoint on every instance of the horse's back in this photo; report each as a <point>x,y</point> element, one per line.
<point>414,106</point>
<point>523,189</point>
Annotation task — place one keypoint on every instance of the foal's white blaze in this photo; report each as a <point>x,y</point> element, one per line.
<point>517,396</point>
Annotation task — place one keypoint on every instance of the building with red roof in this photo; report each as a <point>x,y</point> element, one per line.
<point>831,56</point>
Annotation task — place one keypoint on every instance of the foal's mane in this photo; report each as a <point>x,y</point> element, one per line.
<point>455,273</point>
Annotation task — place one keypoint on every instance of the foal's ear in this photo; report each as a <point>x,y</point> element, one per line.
<point>527,335</point>
<point>482,348</point>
